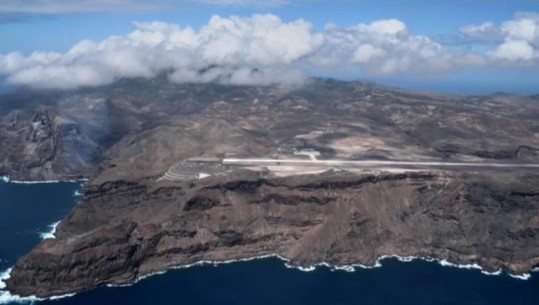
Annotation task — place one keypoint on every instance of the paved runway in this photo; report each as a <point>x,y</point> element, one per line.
<point>381,163</point>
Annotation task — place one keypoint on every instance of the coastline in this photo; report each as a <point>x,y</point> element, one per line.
<point>346,268</point>
<point>7,179</point>
<point>6,297</point>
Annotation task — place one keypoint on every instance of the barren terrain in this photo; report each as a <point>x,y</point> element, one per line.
<point>337,172</point>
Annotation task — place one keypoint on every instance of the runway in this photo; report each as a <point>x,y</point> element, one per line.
<point>374,163</point>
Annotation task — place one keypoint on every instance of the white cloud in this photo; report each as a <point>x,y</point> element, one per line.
<point>263,49</point>
<point>484,32</point>
<point>518,39</point>
<point>524,27</point>
<point>384,47</point>
<point>384,27</point>
<point>515,50</point>
<point>367,52</point>
<point>259,49</point>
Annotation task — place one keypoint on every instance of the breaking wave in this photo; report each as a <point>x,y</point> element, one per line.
<point>52,230</point>
<point>407,259</point>
<point>347,268</point>
<point>7,298</point>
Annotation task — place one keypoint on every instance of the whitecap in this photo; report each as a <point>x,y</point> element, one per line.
<point>3,277</point>
<point>51,232</point>
<point>304,269</point>
<point>344,268</point>
<point>7,298</point>
<point>524,276</point>
<point>63,296</point>
<point>445,263</point>
<point>495,273</point>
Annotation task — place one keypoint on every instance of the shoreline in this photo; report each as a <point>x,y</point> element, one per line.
<point>7,179</point>
<point>7,297</point>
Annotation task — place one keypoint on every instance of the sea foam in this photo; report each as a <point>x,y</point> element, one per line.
<point>407,259</point>
<point>7,298</point>
<point>3,277</point>
<point>347,268</point>
<point>203,263</point>
<point>50,234</point>
<point>7,179</point>
<point>524,276</point>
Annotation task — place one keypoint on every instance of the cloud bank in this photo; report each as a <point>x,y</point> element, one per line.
<point>264,50</point>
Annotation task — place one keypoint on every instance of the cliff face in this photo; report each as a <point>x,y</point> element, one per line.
<point>39,144</point>
<point>125,229</point>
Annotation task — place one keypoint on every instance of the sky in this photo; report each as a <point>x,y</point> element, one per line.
<point>467,46</point>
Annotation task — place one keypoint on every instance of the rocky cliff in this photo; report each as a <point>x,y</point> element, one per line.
<point>126,229</point>
<point>39,144</point>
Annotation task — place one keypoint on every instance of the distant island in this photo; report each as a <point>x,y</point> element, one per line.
<point>332,172</point>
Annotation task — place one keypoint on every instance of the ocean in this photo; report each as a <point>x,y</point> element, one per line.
<point>29,211</point>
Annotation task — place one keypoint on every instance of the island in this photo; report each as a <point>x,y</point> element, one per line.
<point>333,172</point>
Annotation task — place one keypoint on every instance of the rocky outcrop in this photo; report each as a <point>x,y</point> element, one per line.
<point>126,229</point>
<point>522,153</point>
<point>38,144</point>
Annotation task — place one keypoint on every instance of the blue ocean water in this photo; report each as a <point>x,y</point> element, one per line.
<point>27,210</point>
